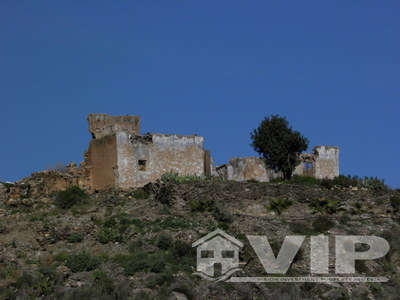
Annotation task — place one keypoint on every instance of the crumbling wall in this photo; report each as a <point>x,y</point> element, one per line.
<point>323,163</point>
<point>119,157</point>
<point>306,167</point>
<point>101,162</point>
<point>142,159</point>
<point>101,124</point>
<point>40,187</point>
<point>326,162</point>
<point>244,168</point>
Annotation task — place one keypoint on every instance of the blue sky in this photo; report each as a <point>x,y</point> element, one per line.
<point>214,68</point>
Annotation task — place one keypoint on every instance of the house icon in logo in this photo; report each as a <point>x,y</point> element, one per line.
<point>217,255</point>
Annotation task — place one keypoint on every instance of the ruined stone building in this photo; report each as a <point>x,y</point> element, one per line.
<point>322,163</point>
<point>120,157</point>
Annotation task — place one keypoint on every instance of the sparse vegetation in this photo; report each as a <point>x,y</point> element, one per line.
<point>279,205</point>
<point>140,194</point>
<point>41,282</point>
<point>142,261</point>
<point>373,183</point>
<point>394,202</point>
<point>221,214</point>
<point>343,181</point>
<point>302,228</point>
<point>146,245</point>
<point>323,223</point>
<point>8,185</point>
<point>75,238</point>
<point>70,197</point>
<point>2,228</point>
<point>307,180</point>
<point>109,234</point>
<point>175,178</point>
<point>82,262</point>
<point>165,242</point>
<point>201,205</point>
<point>326,205</point>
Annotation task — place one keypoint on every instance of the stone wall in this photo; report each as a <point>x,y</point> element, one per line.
<point>101,124</point>
<point>40,187</point>
<point>307,165</point>
<point>327,162</point>
<point>244,168</point>
<point>142,159</point>
<point>322,163</point>
<point>101,162</point>
<point>119,157</point>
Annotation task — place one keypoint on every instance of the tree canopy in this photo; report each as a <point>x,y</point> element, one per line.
<point>279,144</point>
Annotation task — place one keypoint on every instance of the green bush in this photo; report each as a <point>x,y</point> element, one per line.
<point>221,214</point>
<point>103,281</point>
<point>8,185</point>
<point>327,205</point>
<point>2,228</point>
<point>114,228</point>
<point>328,183</point>
<point>395,202</point>
<point>70,197</point>
<point>170,177</point>
<point>61,257</point>
<point>346,181</point>
<point>24,281</point>
<point>277,180</point>
<point>183,251</point>
<point>143,261</point>
<point>75,238</point>
<point>109,234</point>
<point>175,178</point>
<point>162,278</point>
<point>140,194</point>
<point>302,228</point>
<point>8,293</point>
<point>202,205</point>
<point>82,262</point>
<point>323,223</point>
<point>373,183</point>
<point>165,242</point>
<point>279,204</point>
<point>172,223</point>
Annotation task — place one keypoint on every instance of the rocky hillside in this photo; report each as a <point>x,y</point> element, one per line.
<point>137,244</point>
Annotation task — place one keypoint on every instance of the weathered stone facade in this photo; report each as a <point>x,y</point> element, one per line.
<point>123,158</point>
<point>101,124</point>
<point>323,163</point>
<point>244,168</point>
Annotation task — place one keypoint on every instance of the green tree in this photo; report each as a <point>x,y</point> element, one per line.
<point>279,144</point>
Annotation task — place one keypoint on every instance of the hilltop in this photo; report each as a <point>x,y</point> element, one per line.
<point>136,244</point>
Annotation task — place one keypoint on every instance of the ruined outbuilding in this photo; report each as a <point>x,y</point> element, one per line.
<point>322,163</point>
